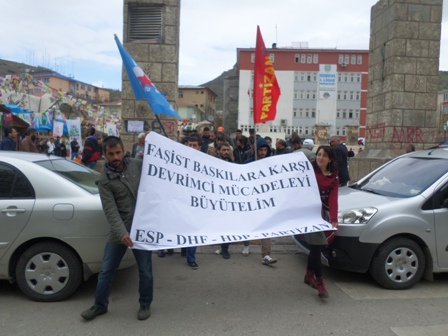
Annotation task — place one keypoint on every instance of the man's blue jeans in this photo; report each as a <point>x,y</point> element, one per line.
<point>113,253</point>
<point>191,253</point>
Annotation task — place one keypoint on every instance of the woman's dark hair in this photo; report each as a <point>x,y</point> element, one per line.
<point>331,155</point>
<point>112,141</point>
<point>242,139</point>
<point>8,131</point>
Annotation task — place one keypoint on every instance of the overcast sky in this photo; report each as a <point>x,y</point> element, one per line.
<point>76,37</point>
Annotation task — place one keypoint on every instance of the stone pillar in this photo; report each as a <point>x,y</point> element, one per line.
<point>403,80</point>
<point>159,59</point>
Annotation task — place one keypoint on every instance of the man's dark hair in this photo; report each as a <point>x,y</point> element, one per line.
<point>282,142</point>
<point>296,140</point>
<point>268,138</point>
<point>223,144</point>
<point>206,129</point>
<point>112,141</point>
<point>242,139</point>
<point>184,140</point>
<point>30,131</point>
<point>92,132</point>
<point>195,138</point>
<point>251,130</point>
<point>8,131</point>
<point>238,130</point>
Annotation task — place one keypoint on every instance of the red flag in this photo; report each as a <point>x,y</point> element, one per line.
<point>266,88</point>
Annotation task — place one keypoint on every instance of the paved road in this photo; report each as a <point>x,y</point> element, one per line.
<point>238,296</point>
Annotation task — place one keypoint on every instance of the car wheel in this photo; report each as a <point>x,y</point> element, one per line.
<point>398,264</point>
<point>48,272</point>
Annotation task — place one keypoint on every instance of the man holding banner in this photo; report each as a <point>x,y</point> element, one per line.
<point>118,186</point>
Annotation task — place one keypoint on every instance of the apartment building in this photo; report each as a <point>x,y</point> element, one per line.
<point>321,89</point>
<point>201,100</point>
<point>70,86</point>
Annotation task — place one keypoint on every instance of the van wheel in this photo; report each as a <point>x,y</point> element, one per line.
<point>48,272</point>
<point>399,263</point>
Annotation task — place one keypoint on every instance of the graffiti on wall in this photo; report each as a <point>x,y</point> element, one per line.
<point>411,134</point>
<point>376,131</point>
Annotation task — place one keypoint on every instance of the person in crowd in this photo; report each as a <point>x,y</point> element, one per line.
<point>341,154</point>
<point>190,252</point>
<point>74,148</point>
<point>298,147</point>
<point>9,141</point>
<point>206,140</point>
<point>281,147</point>
<point>50,146</point>
<point>351,153</point>
<point>263,151</point>
<point>91,152</point>
<point>359,150</point>
<point>118,187</point>
<point>224,152</point>
<point>213,149</point>
<point>410,148</point>
<point>239,153</point>
<point>251,136</point>
<point>63,149</point>
<point>325,168</point>
<point>238,133</point>
<point>28,143</point>
<point>42,145</point>
<point>220,129</point>
<point>57,146</point>
<point>139,147</point>
<point>308,143</point>
<point>269,141</point>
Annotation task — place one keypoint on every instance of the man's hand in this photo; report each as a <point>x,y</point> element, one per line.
<point>126,240</point>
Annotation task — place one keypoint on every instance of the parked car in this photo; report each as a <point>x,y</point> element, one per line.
<point>52,226</point>
<point>393,222</point>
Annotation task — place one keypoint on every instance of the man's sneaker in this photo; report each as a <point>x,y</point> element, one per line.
<point>245,251</point>
<point>225,254</point>
<point>144,313</point>
<point>92,312</point>
<point>193,265</point>
<point>161,253</point>
<point>267,260</point>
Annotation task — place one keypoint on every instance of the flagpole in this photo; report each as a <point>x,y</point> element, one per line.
<point>163,129</point>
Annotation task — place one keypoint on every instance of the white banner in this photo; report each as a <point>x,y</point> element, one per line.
<point>189,198</point>
<point>58,128</point>
<point>111,129</point>
<point>327,81</point>
<point>74,131</point>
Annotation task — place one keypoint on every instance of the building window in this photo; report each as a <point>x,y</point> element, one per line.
<point>301,112</point>
<point>314,77</point>
<point>307,113</point>
<point>295,112</point>
<point>252,58</point>
<point>341,59</point>
<point>357,95</point>
<point>272,57</point>
<point>343,131</point>
<point>338,113</point>
<point>302,77</point>
<point>337,131</point>
<point>358,78</point>
<point>350,114</point>
<point>308,78</point>
<point>359,59</point>
<point>297,58</point>
<point>352,78</point>
<point>89,89</point>
<point>316,58</point>
<point>445,97</point>
<point>339,77</point>
<point>353,59</point>
<point>145,23</point>
<point>307,95</point>
<point>339,95</point>
<point>357,114</point>
<point>46,80</point>
<point>344,114</point>
<point>306,130</point>
<point>301,95</point>
<point>313,114</point>
<point>296,95</point>
<point>303,58</point>
<point>314,95</point>
<point>351,95</point>
<point>346,59</point>
<point>83,87</point>
<point>345,95</point>
<point>309,59</point>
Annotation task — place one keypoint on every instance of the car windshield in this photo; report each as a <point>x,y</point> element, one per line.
<point>405,177</point>
<point>78,174</point>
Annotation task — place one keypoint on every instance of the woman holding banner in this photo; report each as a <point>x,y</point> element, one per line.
<point>327,180</point>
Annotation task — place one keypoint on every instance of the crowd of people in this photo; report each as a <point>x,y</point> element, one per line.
<point>118,192</point>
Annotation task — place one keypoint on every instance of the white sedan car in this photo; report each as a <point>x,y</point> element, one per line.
<point>52,226</point>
